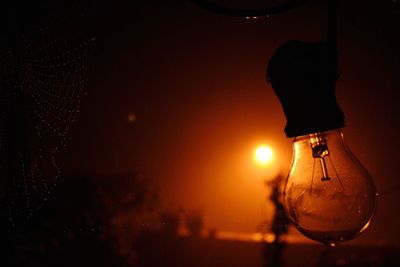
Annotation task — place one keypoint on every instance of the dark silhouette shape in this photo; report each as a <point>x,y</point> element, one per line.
<point>280,221</point>
<point>89,220</point>
<point>302,77</point>
<point>194,223</point>
<point>212,234</point>
<point>273,252</point>
<point>169,223</point>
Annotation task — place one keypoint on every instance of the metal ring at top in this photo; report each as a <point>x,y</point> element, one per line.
<point>261,12</point>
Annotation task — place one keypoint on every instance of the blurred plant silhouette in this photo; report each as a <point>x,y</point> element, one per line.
<point>89,220</point>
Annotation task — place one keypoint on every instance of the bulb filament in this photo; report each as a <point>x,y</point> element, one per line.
<point>320,150</point>
<point>324,171</point>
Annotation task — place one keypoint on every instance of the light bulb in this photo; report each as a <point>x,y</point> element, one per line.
<point>328,195</point>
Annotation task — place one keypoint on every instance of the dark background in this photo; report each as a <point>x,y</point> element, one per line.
<point>194,83</point>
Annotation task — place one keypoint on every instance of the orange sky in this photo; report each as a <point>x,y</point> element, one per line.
<point>196,83</point>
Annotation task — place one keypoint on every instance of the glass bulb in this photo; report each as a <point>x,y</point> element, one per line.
<point>328,195</point>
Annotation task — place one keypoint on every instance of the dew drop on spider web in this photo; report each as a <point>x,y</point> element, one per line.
<point>42,84</point>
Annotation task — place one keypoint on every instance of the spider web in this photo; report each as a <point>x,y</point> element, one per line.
<point>42,84</point>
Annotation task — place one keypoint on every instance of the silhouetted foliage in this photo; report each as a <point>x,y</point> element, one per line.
<point>169,223</point>
<point>87,221</point>
<point>194,224</point>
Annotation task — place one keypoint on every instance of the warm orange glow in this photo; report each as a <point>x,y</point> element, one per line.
<point>131,117</point>
<point>264,154</point>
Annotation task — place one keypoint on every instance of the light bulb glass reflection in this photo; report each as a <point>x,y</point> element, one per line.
<point>328,195</point>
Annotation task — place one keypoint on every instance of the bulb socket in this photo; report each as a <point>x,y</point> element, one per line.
<point>303,76</point>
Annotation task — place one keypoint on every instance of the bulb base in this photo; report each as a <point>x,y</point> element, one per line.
<point>303,77</point>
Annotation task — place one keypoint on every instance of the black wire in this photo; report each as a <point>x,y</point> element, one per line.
<point>236,12</point>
